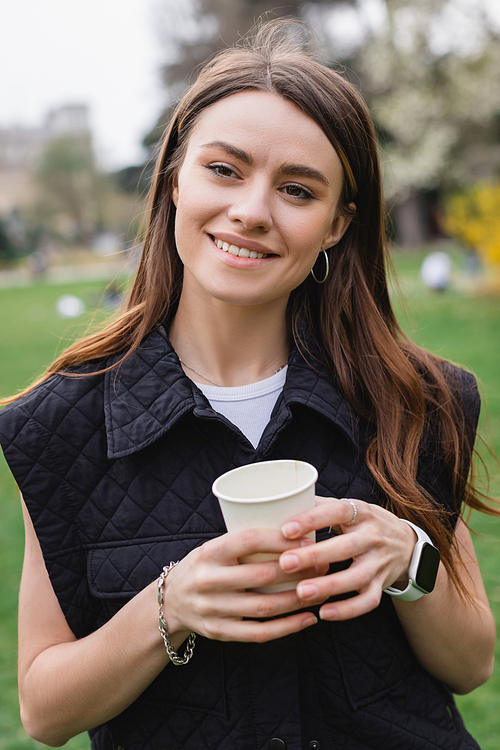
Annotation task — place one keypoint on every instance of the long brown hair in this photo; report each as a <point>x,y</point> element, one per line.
<point>403,392</point>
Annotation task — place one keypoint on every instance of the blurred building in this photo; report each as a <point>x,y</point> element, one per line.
<point>21,147</point>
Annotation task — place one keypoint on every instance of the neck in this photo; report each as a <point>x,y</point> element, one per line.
<point>230,345</point>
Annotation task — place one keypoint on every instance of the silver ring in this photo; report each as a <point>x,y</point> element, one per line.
<point>354,509</point>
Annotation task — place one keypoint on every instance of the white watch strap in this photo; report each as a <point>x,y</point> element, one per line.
<point>411,593</point>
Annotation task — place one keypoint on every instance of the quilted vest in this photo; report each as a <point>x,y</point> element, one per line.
<point>116,471</point>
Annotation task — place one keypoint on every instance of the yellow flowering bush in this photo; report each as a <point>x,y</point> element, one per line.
<point>473,217</point>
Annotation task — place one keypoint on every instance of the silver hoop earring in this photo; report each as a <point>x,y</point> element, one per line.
<point>327,269</point>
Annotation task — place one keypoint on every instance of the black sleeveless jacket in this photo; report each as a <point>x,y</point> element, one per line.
<point>116,471</point>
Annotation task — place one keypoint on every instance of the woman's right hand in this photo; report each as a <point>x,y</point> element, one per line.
<point>208,591</point>
<point>68,685</point>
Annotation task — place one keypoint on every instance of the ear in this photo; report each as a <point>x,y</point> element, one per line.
<point>339,227</point>
<point>174,193</point>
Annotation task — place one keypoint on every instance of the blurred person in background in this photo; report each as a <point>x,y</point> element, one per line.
<point>261,287</point>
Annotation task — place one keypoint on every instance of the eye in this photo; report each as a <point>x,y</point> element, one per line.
<point>222,170</point>
<point>298,191</point>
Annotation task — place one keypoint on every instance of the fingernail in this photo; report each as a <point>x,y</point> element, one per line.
<point>290,529</point>
<point>328,613</point>
<point>306,543</point>
<point>322,568</point>
<point>289,562</point>
<point>307,591</point>
<point>310,620</point>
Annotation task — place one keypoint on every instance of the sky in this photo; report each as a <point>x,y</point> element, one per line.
<point>104,53</point>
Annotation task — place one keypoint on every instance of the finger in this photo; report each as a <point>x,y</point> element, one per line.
<point>258,632</point>
<point>356,578</point>
<point>348,609</point>
<point>228,548</point>
<point>327,512</point>
<point>337,549</point>
<point>250,575</point>
<point>256,575</point>
<point>249,604</point>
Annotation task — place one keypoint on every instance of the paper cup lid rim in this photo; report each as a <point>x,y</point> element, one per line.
<point>266,498</point>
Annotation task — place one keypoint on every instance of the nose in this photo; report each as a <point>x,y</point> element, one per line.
<point>250,207</point>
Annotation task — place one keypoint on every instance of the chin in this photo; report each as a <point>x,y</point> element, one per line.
<point>241,295</point>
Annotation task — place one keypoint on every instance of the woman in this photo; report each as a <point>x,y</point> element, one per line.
<point>258,327</point>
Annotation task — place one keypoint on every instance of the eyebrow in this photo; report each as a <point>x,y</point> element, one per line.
<point>294,170</point>
<point>297,170</point>
<point>230,149</point>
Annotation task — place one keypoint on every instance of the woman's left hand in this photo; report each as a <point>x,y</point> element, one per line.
<point>381,547</point>
<point>379,544</point>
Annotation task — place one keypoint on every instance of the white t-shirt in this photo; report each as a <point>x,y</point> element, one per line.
<point>248,407</point>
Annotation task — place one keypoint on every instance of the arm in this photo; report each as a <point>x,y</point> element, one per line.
<point>466,659</point>
<point>67,686</point>
<point>381,548</point>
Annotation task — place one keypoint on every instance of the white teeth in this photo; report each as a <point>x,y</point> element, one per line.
<point>241,252</point>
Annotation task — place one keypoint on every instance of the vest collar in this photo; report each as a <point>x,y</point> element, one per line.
<point>146,395</point>
<point>309,383</point>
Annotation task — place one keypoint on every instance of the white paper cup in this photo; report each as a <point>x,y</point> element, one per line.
<point>263,496</point>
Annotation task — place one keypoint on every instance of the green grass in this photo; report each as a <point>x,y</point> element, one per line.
<point>461,327</point>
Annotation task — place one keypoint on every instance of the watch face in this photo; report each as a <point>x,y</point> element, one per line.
<point>427,568</point>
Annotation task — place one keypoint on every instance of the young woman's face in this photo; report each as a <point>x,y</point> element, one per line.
<point>256,199</point>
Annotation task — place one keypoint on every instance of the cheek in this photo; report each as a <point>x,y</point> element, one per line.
<point>192,218</point>
<point>307,238</point>
<point>195,206</point>
<point>312,226</point>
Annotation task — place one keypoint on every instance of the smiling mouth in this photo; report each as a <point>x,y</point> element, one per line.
<point>240,252</point>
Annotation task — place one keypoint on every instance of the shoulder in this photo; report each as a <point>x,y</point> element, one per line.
<point>71,404</point>
<point>53,423</point>
<point>452,417</point>
<point>464,389</point>
<point>77,391</point>
<point>54,442</point>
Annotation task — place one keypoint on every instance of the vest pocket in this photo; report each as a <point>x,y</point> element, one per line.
<point>373,654</point>
<point>116,572</point>
<point>378,665</point>
<point>391,695</point>
<point>119,570</point>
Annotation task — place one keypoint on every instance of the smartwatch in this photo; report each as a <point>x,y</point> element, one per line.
<point>423,569</point>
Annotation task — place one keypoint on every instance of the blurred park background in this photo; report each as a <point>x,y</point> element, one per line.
<point>71,206</point>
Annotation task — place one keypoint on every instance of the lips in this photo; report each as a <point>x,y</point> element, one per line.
<point>240,252</point>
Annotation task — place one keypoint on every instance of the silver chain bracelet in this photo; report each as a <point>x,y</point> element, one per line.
<point>162,625</point>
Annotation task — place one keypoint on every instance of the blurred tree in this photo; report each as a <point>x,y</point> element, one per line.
<point>70,188</point>
<point>473,217</point>
<point>430,74</point>
<point>7,246</point>
<point>194,30</point>
<point>77,203</point>
<point>203,26</point>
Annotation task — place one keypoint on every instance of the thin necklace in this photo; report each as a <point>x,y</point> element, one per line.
<point>211,381</point>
